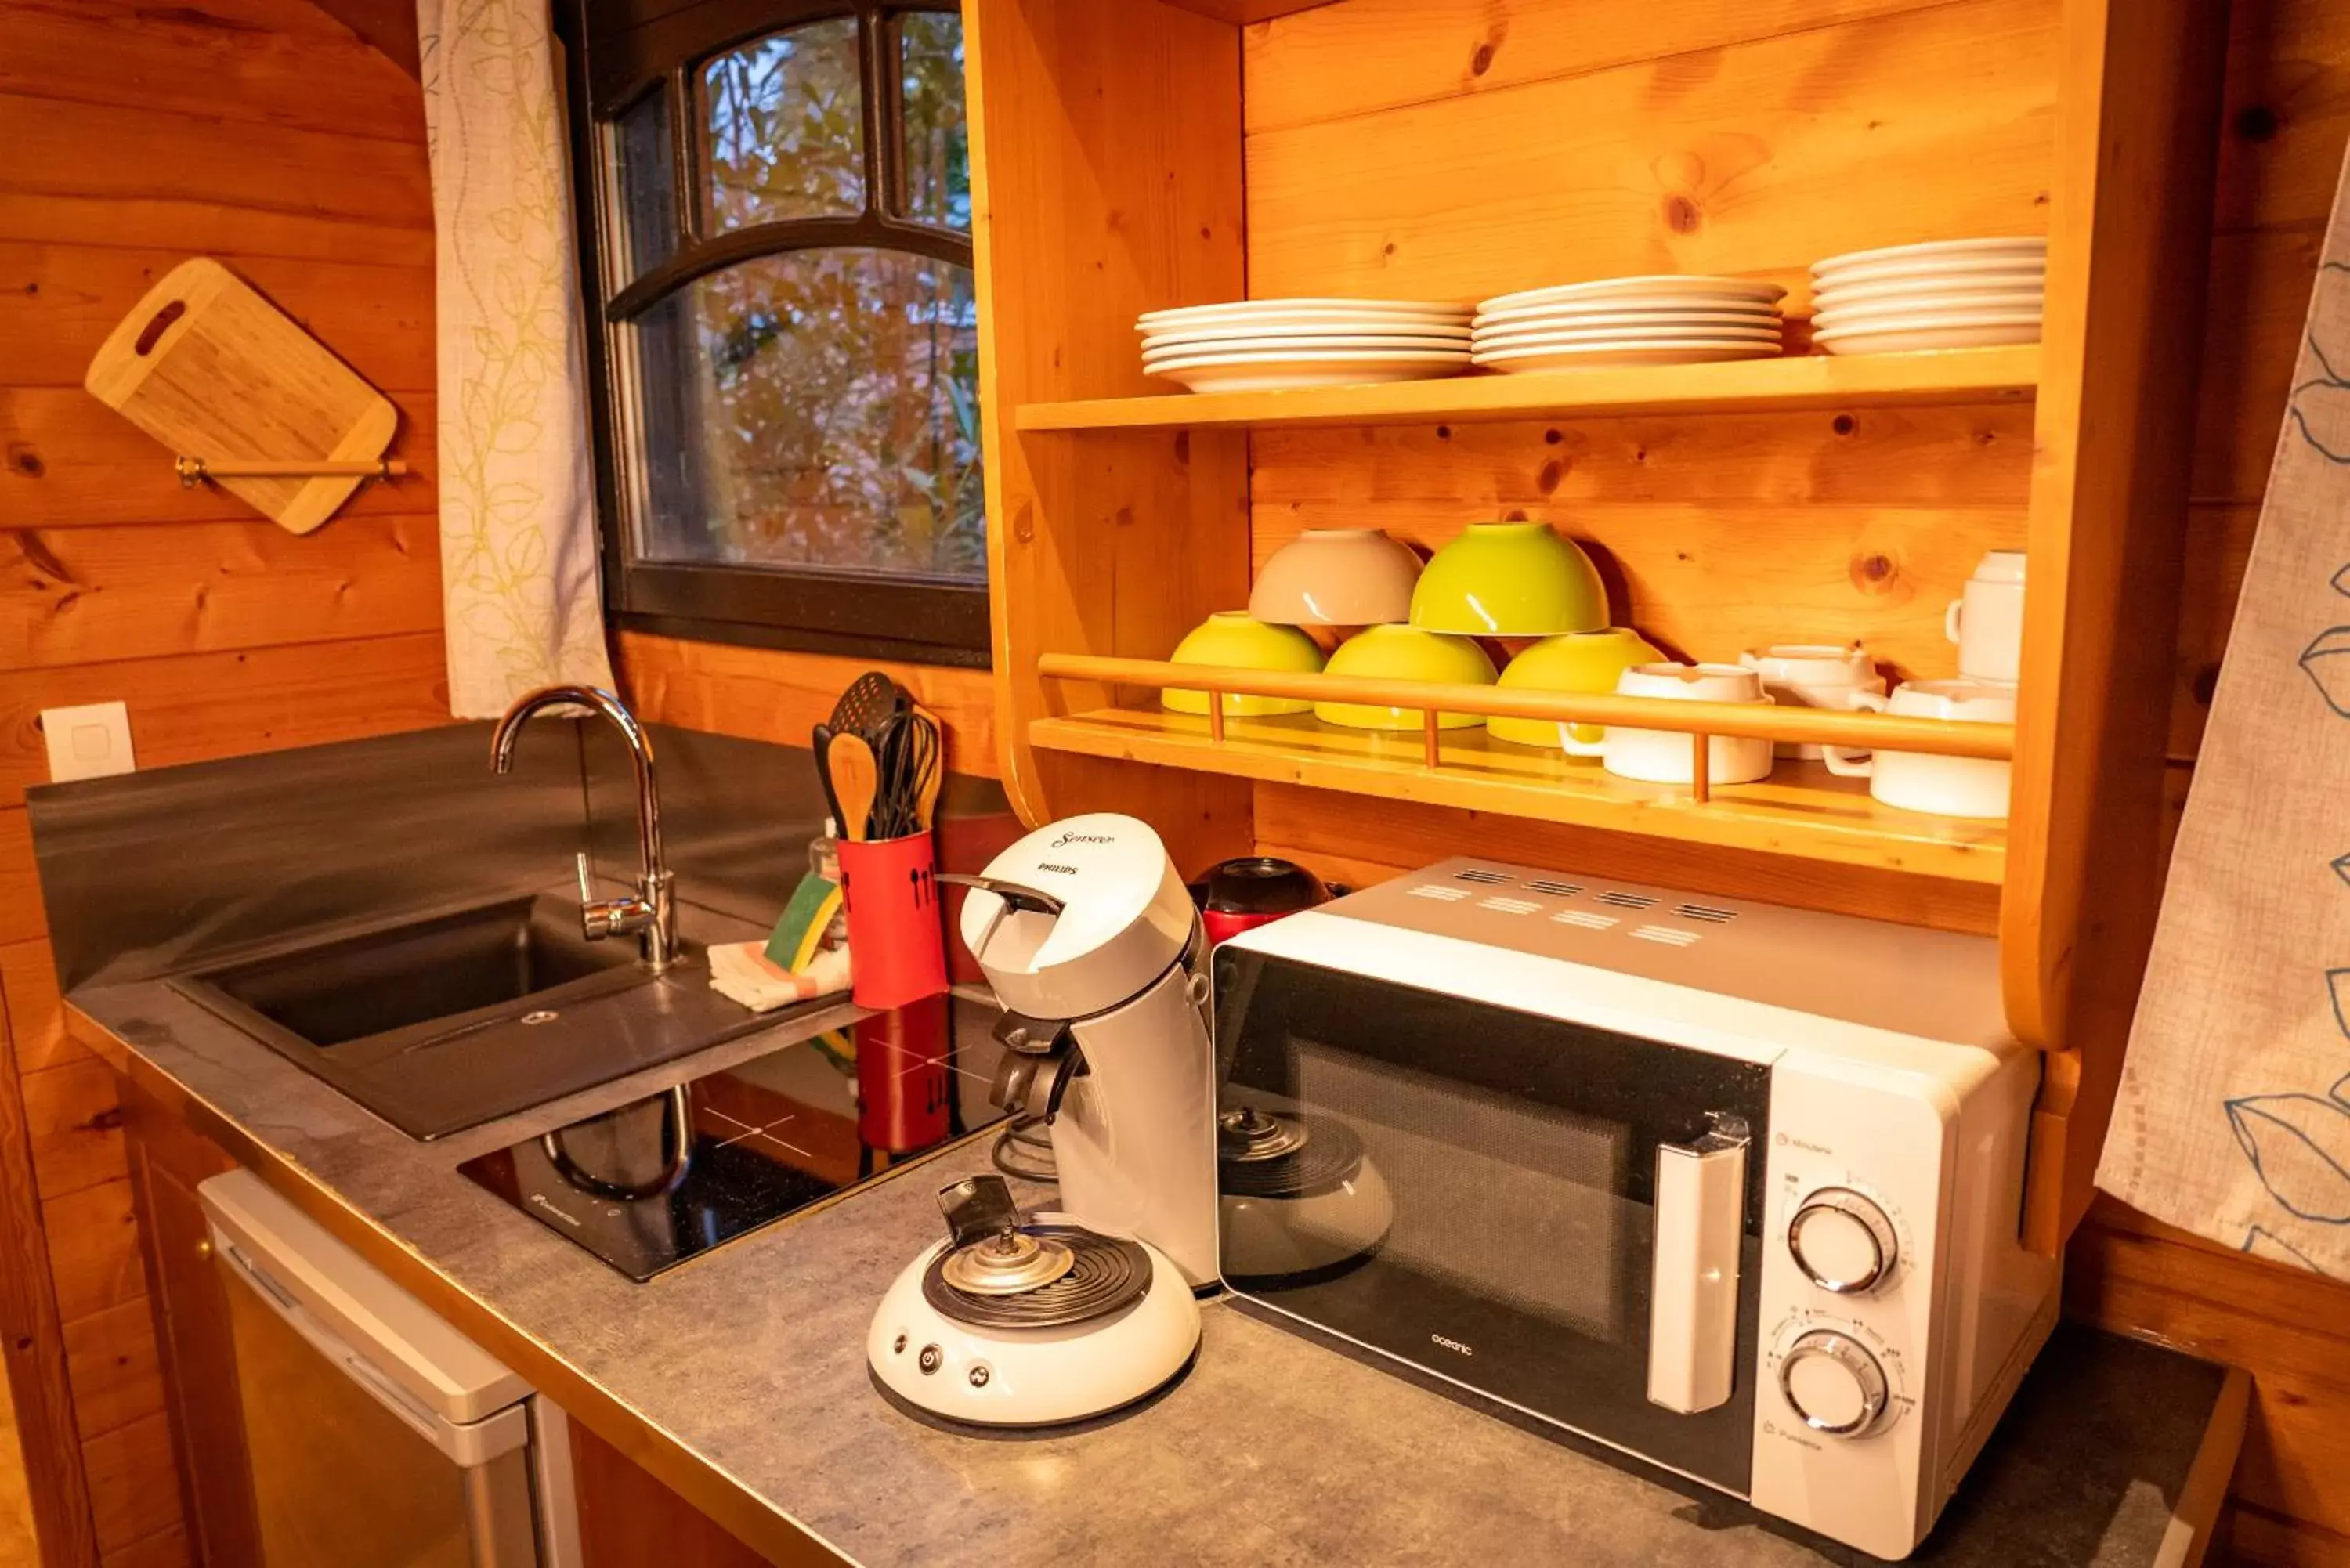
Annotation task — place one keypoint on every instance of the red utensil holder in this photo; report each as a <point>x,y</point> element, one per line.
<point>897,941</point>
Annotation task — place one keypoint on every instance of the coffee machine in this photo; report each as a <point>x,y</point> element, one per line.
<point>1090,936</point>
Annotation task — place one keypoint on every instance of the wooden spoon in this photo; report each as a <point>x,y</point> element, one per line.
<point>855,778</point>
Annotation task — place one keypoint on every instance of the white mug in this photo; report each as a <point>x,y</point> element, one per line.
<point>1918,781</point>
<point>1988,623</point>
<point>1813,675</point>
<point>1663,756</point>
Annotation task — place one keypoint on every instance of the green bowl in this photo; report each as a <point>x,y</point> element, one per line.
<point>1405,653</point>
<point>1586,661</point>
<point>1230,639</point>
<point>1510,580</point>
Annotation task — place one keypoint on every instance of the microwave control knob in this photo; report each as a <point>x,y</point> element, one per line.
<point>1832,1381</point>
<point>1842,1242</point>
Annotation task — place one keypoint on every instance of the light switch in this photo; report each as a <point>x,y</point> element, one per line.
<point>91,742</point>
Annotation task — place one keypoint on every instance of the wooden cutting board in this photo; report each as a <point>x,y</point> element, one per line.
<point>212,370</point>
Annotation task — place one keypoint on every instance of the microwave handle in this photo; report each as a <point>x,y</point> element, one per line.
<point>1693,1294</point>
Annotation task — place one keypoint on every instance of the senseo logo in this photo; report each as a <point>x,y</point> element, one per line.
<point>1068,838</point>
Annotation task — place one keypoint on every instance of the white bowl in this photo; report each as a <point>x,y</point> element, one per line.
<point>1337,576</point>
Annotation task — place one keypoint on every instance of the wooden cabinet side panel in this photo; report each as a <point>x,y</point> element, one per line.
<point>1105,180</point>
<point>629,1519</point>
<point>2136,147</point>
<point>197,1352</point>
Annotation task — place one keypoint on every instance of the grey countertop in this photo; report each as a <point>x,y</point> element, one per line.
<point>1273,1449</point>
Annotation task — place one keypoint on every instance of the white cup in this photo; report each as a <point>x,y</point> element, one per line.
<point>1813,675</point>
<point>1987,624</point>
<point>1917,781</point>
<point>1663,756</point>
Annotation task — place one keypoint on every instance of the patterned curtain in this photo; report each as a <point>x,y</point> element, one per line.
<point>2234,1114</point>
<point>518,499</point>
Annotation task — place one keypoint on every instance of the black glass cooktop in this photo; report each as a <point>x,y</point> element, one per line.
<point>664,1179</point>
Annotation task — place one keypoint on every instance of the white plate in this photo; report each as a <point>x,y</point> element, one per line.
<point>1572,357</point>
<point>1293,372</point>
<point>1666,286</point>
<point>1658,337</point>
<point>1904,290</point>
<point>1251,310</point>
<point>1406,335</point>
<point>2019,247</point>
<point>1930,334</point>
<point>1872,311</point>
<point>2007,269</point>
<point>1670,317</point>
<point>1307,349</point>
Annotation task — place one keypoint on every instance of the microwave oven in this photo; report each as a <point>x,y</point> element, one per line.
<point>1731,1188</point>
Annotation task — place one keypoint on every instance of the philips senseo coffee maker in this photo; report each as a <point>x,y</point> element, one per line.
<point>1089,938</point>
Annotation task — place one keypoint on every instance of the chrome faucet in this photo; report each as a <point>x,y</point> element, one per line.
<point>652,911</point>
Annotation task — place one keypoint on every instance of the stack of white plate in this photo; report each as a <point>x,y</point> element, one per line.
<point>1952,293</point>
<point>1282,345</point>
<point>1670,320</point>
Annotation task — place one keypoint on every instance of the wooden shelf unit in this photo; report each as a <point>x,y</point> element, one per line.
<point>1129,155</point>
<point>1795,382</point>
<point>1800,809</point>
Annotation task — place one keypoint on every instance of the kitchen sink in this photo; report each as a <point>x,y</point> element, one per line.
<point>438,973</point>
<point>443,1023</point>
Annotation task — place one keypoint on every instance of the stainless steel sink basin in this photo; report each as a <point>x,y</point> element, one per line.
<point>444,1023</point>
<point>436,974</point>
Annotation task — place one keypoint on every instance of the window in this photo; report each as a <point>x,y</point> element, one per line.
<point>775,208</point>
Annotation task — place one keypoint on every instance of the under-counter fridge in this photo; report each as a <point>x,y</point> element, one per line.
<point>380,1436</point>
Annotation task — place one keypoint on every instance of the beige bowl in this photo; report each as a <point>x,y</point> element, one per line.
<point>1337,576</point>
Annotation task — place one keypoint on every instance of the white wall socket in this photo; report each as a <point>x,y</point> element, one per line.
<point>91,741</point>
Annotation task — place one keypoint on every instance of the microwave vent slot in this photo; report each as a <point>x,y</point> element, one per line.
<point>1588,920</point>
<point>1628,900</point>
<point>1479,874</point>
<point>1671,936</point>
<point>1706,913</point>
<point>1501,904</point>
<point>1439,892</point>
<point>1555,889</point>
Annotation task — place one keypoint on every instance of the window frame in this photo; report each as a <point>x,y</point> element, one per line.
<point>630,49</point>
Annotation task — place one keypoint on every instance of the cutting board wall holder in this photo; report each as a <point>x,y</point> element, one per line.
<point>245,397</point>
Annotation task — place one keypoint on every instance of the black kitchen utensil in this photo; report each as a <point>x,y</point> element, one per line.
<point>871,699</point>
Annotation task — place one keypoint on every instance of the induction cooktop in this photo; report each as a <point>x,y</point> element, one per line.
<point>666,1177</point>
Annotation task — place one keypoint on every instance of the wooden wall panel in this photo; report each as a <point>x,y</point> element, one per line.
<point>1370,55</point>
<point>263,132</point>
<point>760,694</point>
<point>1757,157</point>
<point>79,595</point>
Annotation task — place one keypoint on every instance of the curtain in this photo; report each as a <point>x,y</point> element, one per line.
<point>518,544</point>
<point>2233,1119</point>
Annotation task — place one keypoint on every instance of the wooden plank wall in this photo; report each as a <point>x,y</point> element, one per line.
<point>262,132</point>
<point>1720,72</point>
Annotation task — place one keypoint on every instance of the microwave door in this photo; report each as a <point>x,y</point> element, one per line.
<point>1561,1217</point>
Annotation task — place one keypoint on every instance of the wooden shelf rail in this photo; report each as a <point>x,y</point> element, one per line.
<point>1794,382</point>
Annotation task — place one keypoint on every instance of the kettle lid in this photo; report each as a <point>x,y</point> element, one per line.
<point>1124,917</point>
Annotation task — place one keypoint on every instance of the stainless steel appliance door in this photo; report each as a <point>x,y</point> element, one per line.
<point>348,1472</point>
<point>1561,1217</point>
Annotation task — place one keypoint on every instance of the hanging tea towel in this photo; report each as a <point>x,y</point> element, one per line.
<point>519,593</point>
<point>2234,1114</point>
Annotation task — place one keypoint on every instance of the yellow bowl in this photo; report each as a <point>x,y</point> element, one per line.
<point>1510,580</point>
<point>1586,661</point>
<point>1405,653</point>
<point>1232,639</point>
